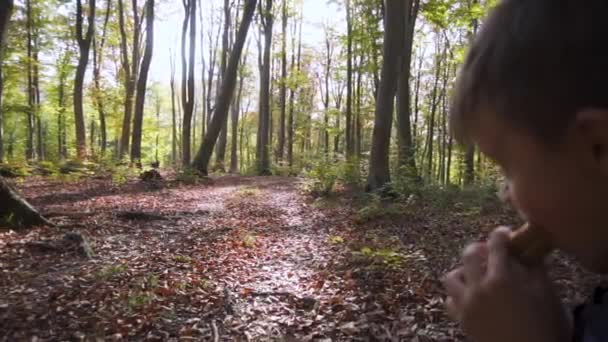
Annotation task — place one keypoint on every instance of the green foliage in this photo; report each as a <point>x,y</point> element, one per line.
<point>188,176</point>
<point>349,172</point>
<point>111,271</point>
<point>321,178</point>
<point>377,208</point>
<point>386,256</point>
<point>122,173</point>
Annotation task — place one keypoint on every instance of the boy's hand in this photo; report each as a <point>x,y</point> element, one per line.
<point>496,298</point>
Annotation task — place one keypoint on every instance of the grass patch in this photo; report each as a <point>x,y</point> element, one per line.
<point>111,271</point>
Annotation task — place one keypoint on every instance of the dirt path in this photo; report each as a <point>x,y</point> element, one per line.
<point>240,258</point>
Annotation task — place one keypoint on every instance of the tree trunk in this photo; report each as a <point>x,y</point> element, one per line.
<point>188,81</point>
<point>29,151</point>
<point>141,84</point>
<point>36,90</point>
<point>379,171</point>
<point>173,116</point>
<point>283,90</point>
<point>236,108</point>
<point>406,156</point>
<point>290,120</point>
<point>222,104</point>
<point>14,211</point>
<point>6,9</point>
<point>262,156</point>
<point>84,44</point>
<point>97,64</point>
<point>349,81</point>
<point>220,151</point>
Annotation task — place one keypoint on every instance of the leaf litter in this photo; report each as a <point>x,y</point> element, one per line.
<point>237,258</point>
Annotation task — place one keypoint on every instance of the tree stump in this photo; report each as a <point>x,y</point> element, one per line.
<point>15,211</point>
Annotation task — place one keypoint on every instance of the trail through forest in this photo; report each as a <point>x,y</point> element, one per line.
<point>235,258</point>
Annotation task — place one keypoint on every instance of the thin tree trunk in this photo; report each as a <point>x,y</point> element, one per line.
<point>283,90</point>
<point>84,44</point>
<point>263,157</point>
<point>36,87</point>
<point>379,171</point>
<point>141,84</point>
<point>220,151</point>
<point>29,152</point>
<point>434,103</point>
<point>173,115</point>
<point>349,81</point>
<point>236,109</point>
<point>6,10</point>
<point>201,162</point>
<point>188,81</point>
<point>129,83</point>
<point>97,64</point>
<point>203,66</point>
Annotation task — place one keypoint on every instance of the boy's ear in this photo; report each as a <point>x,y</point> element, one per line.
<point>592,127</point>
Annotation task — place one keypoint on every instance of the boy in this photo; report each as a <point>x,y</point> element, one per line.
<point>533,96</point>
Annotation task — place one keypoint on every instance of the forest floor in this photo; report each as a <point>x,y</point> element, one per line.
<point>235,258</point>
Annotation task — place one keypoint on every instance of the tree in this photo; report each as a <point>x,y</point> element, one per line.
<point>15,211</point>
<point>141,84</point>
<point>236,108</point>
<point>406,150</point>
<point>188,94</point>
<point>97,64</point>
<point>84,45</point>
<point>201,162</point>
<point>262,155</point>
<point>349,80</point>
<point>173,116</point>
<point>283,89</point>
<point>6,9</point>
<point>379,171</point>
<point>220,152</point>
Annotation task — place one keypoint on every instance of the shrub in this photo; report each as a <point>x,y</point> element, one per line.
<point>321,178</point>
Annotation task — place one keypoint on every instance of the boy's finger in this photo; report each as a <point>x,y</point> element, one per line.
<point>452,309</point>
<point>475,258</point>
<point>498,252</point>
<point>453,283</point>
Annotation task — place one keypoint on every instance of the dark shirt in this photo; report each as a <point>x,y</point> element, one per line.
<point>591,319</point>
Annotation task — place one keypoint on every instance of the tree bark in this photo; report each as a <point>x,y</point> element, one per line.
<point>141,84</point>
<point>6,9</point>
<point>29,150</point>
<point>129,83</point>
<point>201,162</point>
<point>97,64</point>
<point>283,90</point>
<point>220,151</point>
<point>14,211</point>
<point>379,171</point>
<point>262,155</point>
<point>188,81</point>
<point>236,108</point>
<point>406,157</point>
<point>173,115</point>
<point>84,45</point>
<point>349,81</point>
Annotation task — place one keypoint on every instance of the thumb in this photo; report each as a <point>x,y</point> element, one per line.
<point>498,251</point>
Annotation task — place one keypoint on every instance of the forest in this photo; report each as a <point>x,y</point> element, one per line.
<point>264,170</point>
